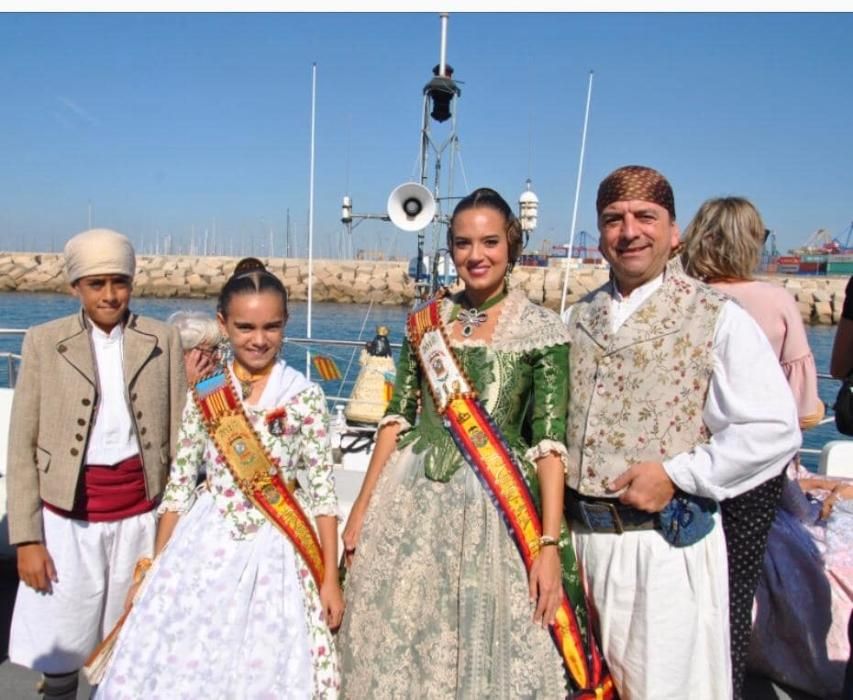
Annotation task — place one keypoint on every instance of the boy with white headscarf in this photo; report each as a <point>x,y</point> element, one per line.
<point>94,423</point>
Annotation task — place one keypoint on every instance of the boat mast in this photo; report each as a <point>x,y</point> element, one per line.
<point>577,196</point>
<point>287,234</point>
<point>311,217</point>
<point>440,95</point>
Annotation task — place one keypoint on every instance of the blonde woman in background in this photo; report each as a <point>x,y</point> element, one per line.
<point>722,246</point>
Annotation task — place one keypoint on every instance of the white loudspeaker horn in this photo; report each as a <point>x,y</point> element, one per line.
<point>411,206</point>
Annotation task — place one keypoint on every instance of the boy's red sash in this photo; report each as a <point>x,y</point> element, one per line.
<point>253,469</point>
<point>481,443</point>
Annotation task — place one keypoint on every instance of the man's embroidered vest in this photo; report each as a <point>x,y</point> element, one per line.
<point>638,395</point>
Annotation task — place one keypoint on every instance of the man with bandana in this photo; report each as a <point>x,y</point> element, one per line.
<point>677,402</point>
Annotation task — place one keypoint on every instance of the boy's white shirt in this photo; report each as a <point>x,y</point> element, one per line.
<point>112,438</point>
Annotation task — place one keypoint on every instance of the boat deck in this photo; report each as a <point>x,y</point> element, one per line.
<point>18,683</point>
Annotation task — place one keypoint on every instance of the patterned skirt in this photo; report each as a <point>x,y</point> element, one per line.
<point>224,618</point>
<point>746,521</point>
<point>437,597</point>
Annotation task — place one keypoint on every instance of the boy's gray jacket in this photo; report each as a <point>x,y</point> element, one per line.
<point>55,403</point>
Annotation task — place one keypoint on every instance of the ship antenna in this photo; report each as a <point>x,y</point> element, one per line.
<point>577,196</point>
<point>442,58</point>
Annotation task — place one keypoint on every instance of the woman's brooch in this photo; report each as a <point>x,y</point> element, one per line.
<point>471,319</point>
<point>275,421</point>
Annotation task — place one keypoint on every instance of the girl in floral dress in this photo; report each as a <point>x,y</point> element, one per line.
<point>229,608</point>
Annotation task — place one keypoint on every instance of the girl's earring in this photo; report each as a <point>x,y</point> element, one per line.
<point>224,353</point>
<point>280,353</point>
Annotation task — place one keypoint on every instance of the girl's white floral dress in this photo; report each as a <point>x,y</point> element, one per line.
<point>229,609</point>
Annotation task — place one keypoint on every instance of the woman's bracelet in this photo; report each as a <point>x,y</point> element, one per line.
<point>548,541</point>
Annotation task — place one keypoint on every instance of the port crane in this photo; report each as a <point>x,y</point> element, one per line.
<point>848,234</point>
<point>822,242</point>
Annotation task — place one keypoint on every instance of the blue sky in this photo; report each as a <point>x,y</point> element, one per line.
<point>165,122</point>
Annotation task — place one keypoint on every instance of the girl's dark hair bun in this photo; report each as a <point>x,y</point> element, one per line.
<point>247,265</point>
<point>250,276</point>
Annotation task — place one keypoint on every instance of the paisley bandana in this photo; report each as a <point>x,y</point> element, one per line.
<point>635,182</point>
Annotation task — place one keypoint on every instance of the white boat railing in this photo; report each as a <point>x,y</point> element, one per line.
<point>13,359</point>
<point>834,457</point>
<point>827,419</point>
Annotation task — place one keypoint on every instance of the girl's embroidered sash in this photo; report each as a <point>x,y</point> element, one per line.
<point>481,443</point>
<point>253,469</point>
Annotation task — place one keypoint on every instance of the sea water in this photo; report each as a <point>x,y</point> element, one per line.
<point>339,322</point>
<point>356,322</point>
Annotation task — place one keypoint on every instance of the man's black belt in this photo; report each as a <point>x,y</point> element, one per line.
<point>607,514</point>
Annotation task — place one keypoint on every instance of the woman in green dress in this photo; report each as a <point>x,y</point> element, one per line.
<point>439,601</point>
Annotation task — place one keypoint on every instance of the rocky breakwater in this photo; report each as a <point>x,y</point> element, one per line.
<point>360,281</point>
<point>544,285</point>
<point>346,281</point>
<point>343,281</point>
<point>819,298</point>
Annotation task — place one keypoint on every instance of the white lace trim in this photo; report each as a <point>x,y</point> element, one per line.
<point>174,505</point>
<point>329,510</point>
<point>544,448</point>
<point>394,418</point>
<point>521,326</point>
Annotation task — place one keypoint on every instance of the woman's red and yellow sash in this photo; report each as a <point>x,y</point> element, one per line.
<point>253,469</point>
<point>481,443</point>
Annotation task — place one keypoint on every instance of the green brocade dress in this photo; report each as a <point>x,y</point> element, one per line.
<point>437,598</point>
